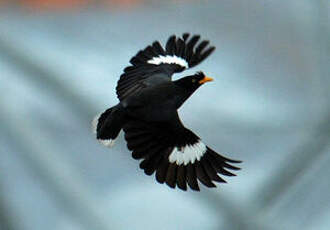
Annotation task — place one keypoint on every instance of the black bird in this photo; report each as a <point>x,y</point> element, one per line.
<point>147,112</point>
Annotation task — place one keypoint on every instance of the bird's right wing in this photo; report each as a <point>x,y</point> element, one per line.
<point>176,154</point>
<point>155,65</point>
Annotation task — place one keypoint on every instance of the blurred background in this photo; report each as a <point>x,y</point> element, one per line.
<point>268,106</point>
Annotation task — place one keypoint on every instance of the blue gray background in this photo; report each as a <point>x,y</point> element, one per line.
<point>268,106</point>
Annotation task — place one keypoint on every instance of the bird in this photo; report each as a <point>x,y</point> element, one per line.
<point>147,112</point>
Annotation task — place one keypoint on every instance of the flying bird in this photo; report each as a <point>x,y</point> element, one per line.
<point>147,112</point>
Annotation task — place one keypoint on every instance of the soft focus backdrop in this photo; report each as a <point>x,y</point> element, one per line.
<point>268,106</point>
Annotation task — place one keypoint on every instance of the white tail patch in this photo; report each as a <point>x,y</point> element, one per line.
<point>95,121</point>
<point>168,59</point>
<point>108,143</point>
<point>188,153</point>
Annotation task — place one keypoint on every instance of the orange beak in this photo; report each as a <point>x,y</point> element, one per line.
<point>205,79</point>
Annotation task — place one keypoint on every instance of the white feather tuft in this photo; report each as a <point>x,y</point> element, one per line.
<point>168,59</point>
<point>188,153</point>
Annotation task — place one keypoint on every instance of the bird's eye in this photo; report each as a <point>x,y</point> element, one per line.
<point>193,80</point>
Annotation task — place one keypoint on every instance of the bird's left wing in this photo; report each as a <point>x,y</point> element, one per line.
<point>155,65</point>
<point>176,154</point>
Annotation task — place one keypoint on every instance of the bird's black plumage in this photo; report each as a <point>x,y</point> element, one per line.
<point>147,112</point>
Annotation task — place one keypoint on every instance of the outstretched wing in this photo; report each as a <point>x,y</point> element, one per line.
<point>177,155</point>
<point>155,64</point>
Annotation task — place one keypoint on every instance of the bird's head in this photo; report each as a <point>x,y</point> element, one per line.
<point>192,82</point>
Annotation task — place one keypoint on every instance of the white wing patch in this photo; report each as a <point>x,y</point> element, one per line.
<point>168,59</point>
<point>188,153</point>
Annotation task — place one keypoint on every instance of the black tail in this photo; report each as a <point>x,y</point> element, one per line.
<point>108,125</point>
